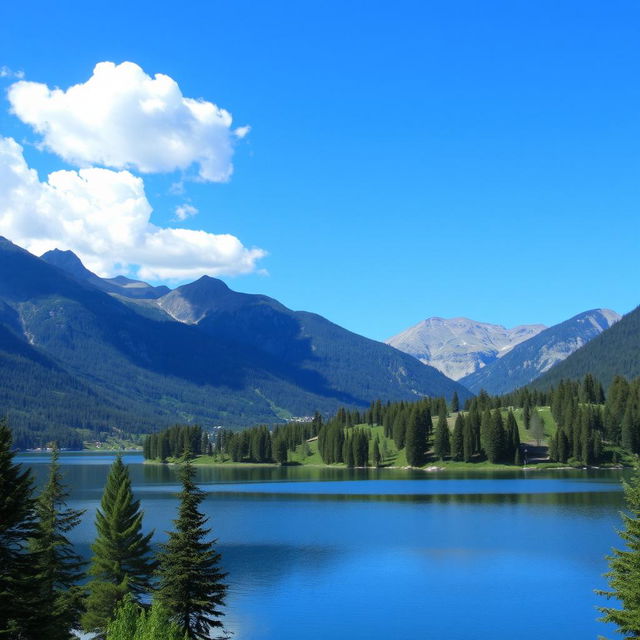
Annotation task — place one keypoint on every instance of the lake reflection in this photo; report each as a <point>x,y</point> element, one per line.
<point>335,553</point>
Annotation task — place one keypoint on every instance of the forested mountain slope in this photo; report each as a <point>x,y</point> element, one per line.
<point>247,360</point>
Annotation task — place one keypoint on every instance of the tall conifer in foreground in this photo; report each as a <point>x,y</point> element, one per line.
<point>57,567</point>
<point>122,561</point>
<point>17,525</point>
<point>191,585</point>
<point>624,574</point>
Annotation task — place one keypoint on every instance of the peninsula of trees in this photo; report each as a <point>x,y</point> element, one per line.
<point>574,423</point>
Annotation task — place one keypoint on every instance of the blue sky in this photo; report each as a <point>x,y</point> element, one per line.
<point>404,160</point>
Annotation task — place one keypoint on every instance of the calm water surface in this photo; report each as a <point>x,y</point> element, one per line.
<point>335,553</point>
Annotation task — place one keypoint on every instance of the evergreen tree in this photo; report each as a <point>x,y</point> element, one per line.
<point>57,566</point>
<point>347,451</point>
<point>415,438</point>
<point>457,441</point>
<point>399,429</point>
<point>191,583</point>
<point>121,553</point>
<point>280,451</point>
<point>495,437</point>
<point>455,402</point>
<point>624,567</point>
<point>485,431</point>
<point>441,446</point>
<point>468,439</point>
<point>473,420</point>
<point>526,414</point>
<point>377,458</point>
<point>17,526</point>
<point>512,435</point>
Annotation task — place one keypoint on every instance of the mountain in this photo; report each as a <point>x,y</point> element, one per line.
<point>615,351</point>
<point>69,262</point>
<point>459,346</point>
<point>301,345</point>
<point>227,358</point>
<point>530,359</point>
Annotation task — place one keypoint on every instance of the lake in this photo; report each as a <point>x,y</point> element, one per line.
<point>318,553</point>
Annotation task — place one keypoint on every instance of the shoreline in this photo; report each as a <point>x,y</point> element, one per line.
<point>434,468</point>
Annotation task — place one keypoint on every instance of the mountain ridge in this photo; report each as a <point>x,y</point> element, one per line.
<point>459,346</point>
<point>247,359</point>
<point>533,357</point>
<point>615,351</point>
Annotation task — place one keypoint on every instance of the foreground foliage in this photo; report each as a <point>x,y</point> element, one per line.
<point>133,622</point>
<point>17,527</point>
<point>191,583</point>
<point>624,564</point>
<point>56,566</point>
<point>122,561</point>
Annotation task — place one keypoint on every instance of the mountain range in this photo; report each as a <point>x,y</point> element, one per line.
<point>491,357</point>
<point>615,351</point>
<point>460,346</point>
<point>79,351</point>
<point>530,359</point>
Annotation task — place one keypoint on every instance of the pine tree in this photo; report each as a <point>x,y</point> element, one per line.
<point>191,583</point>
<point>57,566</point>
<point>441,446</point>
<point>457,441</point>
<point>468,439</point>
<point>415,438</point>
<point>512,436</point>
<point>624,565</point>
<point>495,438</point>
<point>280,451</point>
<point>122,560</point>
<point>17,526</point>
<point>377,458</point>
<point>399,429</point>
<point>455,403</point>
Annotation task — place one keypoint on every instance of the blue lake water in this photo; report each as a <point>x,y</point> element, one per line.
<point>364,554</point>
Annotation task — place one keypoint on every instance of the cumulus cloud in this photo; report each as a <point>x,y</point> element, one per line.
<point>125,119</point>
<point>185,211</point>
<point>104,217</point>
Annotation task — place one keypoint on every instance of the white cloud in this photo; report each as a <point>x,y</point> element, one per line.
<point>124,119</point>
<point>185,211</point>
<point>6,72</point>
<point>104,217</point>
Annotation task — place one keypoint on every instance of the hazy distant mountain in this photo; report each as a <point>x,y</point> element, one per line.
<point>92,360</point>
<point>528,360</point>
<point>615,351</point>
<point>459,346</point>
<point>120,285</point>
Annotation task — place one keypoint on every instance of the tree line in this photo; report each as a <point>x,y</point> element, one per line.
<point>255,444</point>
<point>476,434</point>
<point>587,420</point>
<point>130,590</point>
